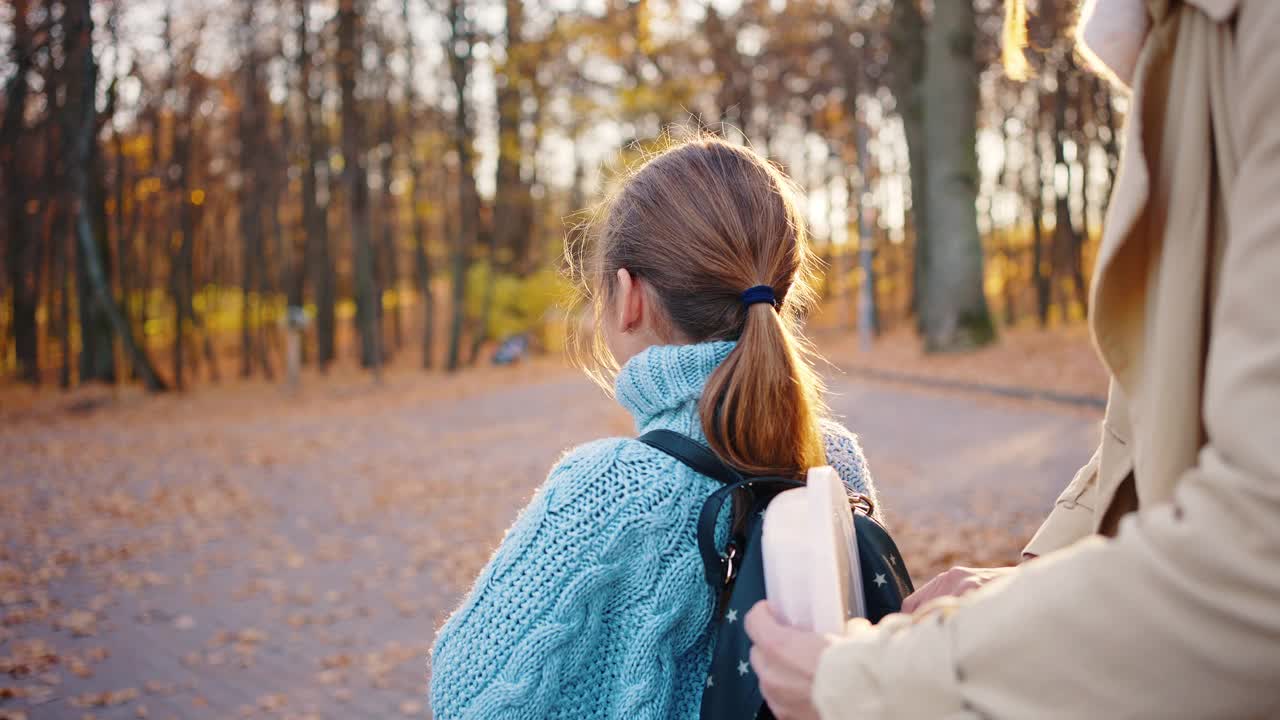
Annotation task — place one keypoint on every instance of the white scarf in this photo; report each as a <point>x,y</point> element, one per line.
<point>1111,34</point>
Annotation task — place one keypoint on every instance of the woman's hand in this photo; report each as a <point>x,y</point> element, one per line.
<point>953,583</point>
<point>785,660</point>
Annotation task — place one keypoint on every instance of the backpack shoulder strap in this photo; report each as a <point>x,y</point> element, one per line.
<point>692,453</point>
<point>700,459</point>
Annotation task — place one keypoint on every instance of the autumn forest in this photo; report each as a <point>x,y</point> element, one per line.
<point>194,190</point>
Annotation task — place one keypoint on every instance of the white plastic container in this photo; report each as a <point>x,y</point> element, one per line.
<point>811,573</point>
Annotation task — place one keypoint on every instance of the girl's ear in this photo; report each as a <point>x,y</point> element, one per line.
<point>631,301</point>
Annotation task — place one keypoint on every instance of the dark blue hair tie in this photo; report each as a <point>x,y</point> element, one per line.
<point>758,294</point>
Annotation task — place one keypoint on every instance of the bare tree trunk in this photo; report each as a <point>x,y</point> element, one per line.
<point>251,130</point>
<point>313,213</point>
<point>267,250</point>
<point>1039,272</point>
<point>389,267</point>
<point>1066,237</point>
<point>356,181</point>
<point>512,222</point>
<point>461,39</point>
<point>212,274</point>
<point>301,248</point>
<point>481,332</point>
<point>907,37</point>
<point>124,229</point>
<point>62,253</point>
<point>956,314</point>
<point>508,238</point>
<point>421,256</point>
<point>868,314</point>
<point>21,247</point>
<point>79,127</point>
<point>1009,179</point>
<point>51,215</point>
<point>60,206</point>
<point>97,351</point>
<point>181,283</point>
<point>97,340</point>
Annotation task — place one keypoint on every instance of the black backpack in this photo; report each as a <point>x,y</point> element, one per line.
<point>736,575</point>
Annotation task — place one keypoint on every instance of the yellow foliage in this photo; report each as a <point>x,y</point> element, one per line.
<point>391,299</point>
<point>520,305</point>
<point>149,186</point>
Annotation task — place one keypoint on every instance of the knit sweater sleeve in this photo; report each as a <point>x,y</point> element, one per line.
<point>497,655</point>
<point>535,629</point>
<point>845,455</point>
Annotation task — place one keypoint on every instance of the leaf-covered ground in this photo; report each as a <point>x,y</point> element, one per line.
<point>241,551</point>
<point>1060,361</point>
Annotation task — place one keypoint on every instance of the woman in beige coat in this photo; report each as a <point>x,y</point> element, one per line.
<point>1156,592</point>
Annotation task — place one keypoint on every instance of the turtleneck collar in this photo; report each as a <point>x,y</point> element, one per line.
<point>661,385</point>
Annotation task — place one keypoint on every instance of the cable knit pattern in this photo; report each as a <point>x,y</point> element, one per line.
<point>594,605</point>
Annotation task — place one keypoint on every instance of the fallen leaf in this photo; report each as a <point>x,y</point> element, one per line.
<point>81,623</point>
<point>272,702</point>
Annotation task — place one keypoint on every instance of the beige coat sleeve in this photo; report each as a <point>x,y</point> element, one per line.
<point>1178,616</point>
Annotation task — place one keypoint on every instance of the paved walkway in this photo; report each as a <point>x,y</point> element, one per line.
<point>237,559</point>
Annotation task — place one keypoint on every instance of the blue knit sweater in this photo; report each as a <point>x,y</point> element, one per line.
<point>594,605</point>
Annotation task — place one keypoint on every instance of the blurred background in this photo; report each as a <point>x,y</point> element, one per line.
<point>283,304</point>
<point>178,174</point>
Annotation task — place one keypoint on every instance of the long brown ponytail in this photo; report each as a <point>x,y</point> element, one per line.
<point>700,223</point>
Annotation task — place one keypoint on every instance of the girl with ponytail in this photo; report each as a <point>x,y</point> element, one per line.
<point>698,270</point>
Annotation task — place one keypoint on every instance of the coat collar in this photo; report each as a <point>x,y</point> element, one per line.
<point>1109,297</point>
<point>1171,82</point>
<point>1133,183</point>
<point>1111,33</point>
<point>1219,10</point>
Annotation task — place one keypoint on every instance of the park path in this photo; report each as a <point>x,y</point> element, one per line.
<point>266,556</point>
